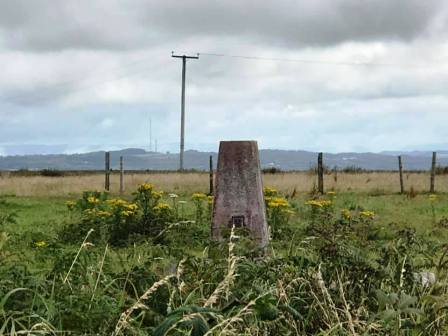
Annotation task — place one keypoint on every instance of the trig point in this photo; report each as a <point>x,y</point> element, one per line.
<point>239,198</point>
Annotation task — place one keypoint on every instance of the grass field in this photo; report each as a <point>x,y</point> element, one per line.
<point>47,214</point>
<point>369,182</point>
<point>361,264</point>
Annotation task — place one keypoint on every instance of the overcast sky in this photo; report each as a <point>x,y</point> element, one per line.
<point>88,74</point>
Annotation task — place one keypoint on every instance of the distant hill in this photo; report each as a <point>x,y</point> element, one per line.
<point>139,159</point>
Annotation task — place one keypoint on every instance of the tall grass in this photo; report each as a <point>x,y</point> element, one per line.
<point>333,269</point>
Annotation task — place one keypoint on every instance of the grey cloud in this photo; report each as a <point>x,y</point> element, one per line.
<point>38,96</point>
<point>48,25</point>
<point>297,24</point>
<point>44,25</point>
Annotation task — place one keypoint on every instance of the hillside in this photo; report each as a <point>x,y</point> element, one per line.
<point>137,159</point>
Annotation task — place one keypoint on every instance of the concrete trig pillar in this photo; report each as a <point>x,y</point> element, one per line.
<point>239,197</point>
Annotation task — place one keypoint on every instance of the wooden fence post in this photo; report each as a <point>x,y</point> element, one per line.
<point>211,176</point>
<point>400,169</point>
<point>320,173</point>
<point>433,172</point>
<point>121,176</point>
<point>107,171</point>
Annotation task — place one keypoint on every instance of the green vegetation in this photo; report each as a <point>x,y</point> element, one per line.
<point>340,264</point>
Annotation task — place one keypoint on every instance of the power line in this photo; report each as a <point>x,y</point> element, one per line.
<point>324,62</point>
<point>63,87</point>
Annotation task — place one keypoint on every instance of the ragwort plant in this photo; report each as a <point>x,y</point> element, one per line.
<point>155,213</point>
<point>117,221</point>
<point>278,211</point>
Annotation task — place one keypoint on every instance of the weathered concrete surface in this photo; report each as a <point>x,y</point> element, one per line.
<point>239,192</point>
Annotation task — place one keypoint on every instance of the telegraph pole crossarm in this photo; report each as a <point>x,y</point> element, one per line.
<point>182,118</point>
<point>184,56</point>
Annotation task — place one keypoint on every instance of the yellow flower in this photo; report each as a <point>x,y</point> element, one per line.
<point>432,198</point>
<point>162,206</point>
<point>346,214</point>
<point>132,207</point>
<point>102,213</point>
<point>95,213</point>
<point>145,187</point>
<point>92,200</point>
<point>123,207</point>
<point>331,194</point>
<point>40,243</point>
<point>199,196</point>
<point>313,203</point>
<point>269,191</point>
<point>210,199</point>
<point>126,213</point>
<point>367,214</point>
<point>117,202</point>
<point>318,203</point>
<point>156,194</point>
<point>277,202</point>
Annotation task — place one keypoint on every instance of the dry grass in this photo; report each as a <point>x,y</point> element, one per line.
<point>69,185</point>
<point>370,182</point>
<point>375,182</point>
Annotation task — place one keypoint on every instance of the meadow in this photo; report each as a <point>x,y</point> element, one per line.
<point>359,260</point>
<point>188,182</point>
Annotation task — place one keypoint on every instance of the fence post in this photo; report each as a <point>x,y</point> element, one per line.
<point>121,176</point>
<point>107,171</point>
<point>400,169</point>
<point>320,173</point>
<point>211,176</point>
<point>433,172</point>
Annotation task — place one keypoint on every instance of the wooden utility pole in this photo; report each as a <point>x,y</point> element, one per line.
<point>433,172</point>
<point>320,173</point>
<point>182,114</point>
<point>107,171</point>
<point>121,176</point>
<point>400,169</point>
<point>211,176</point>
